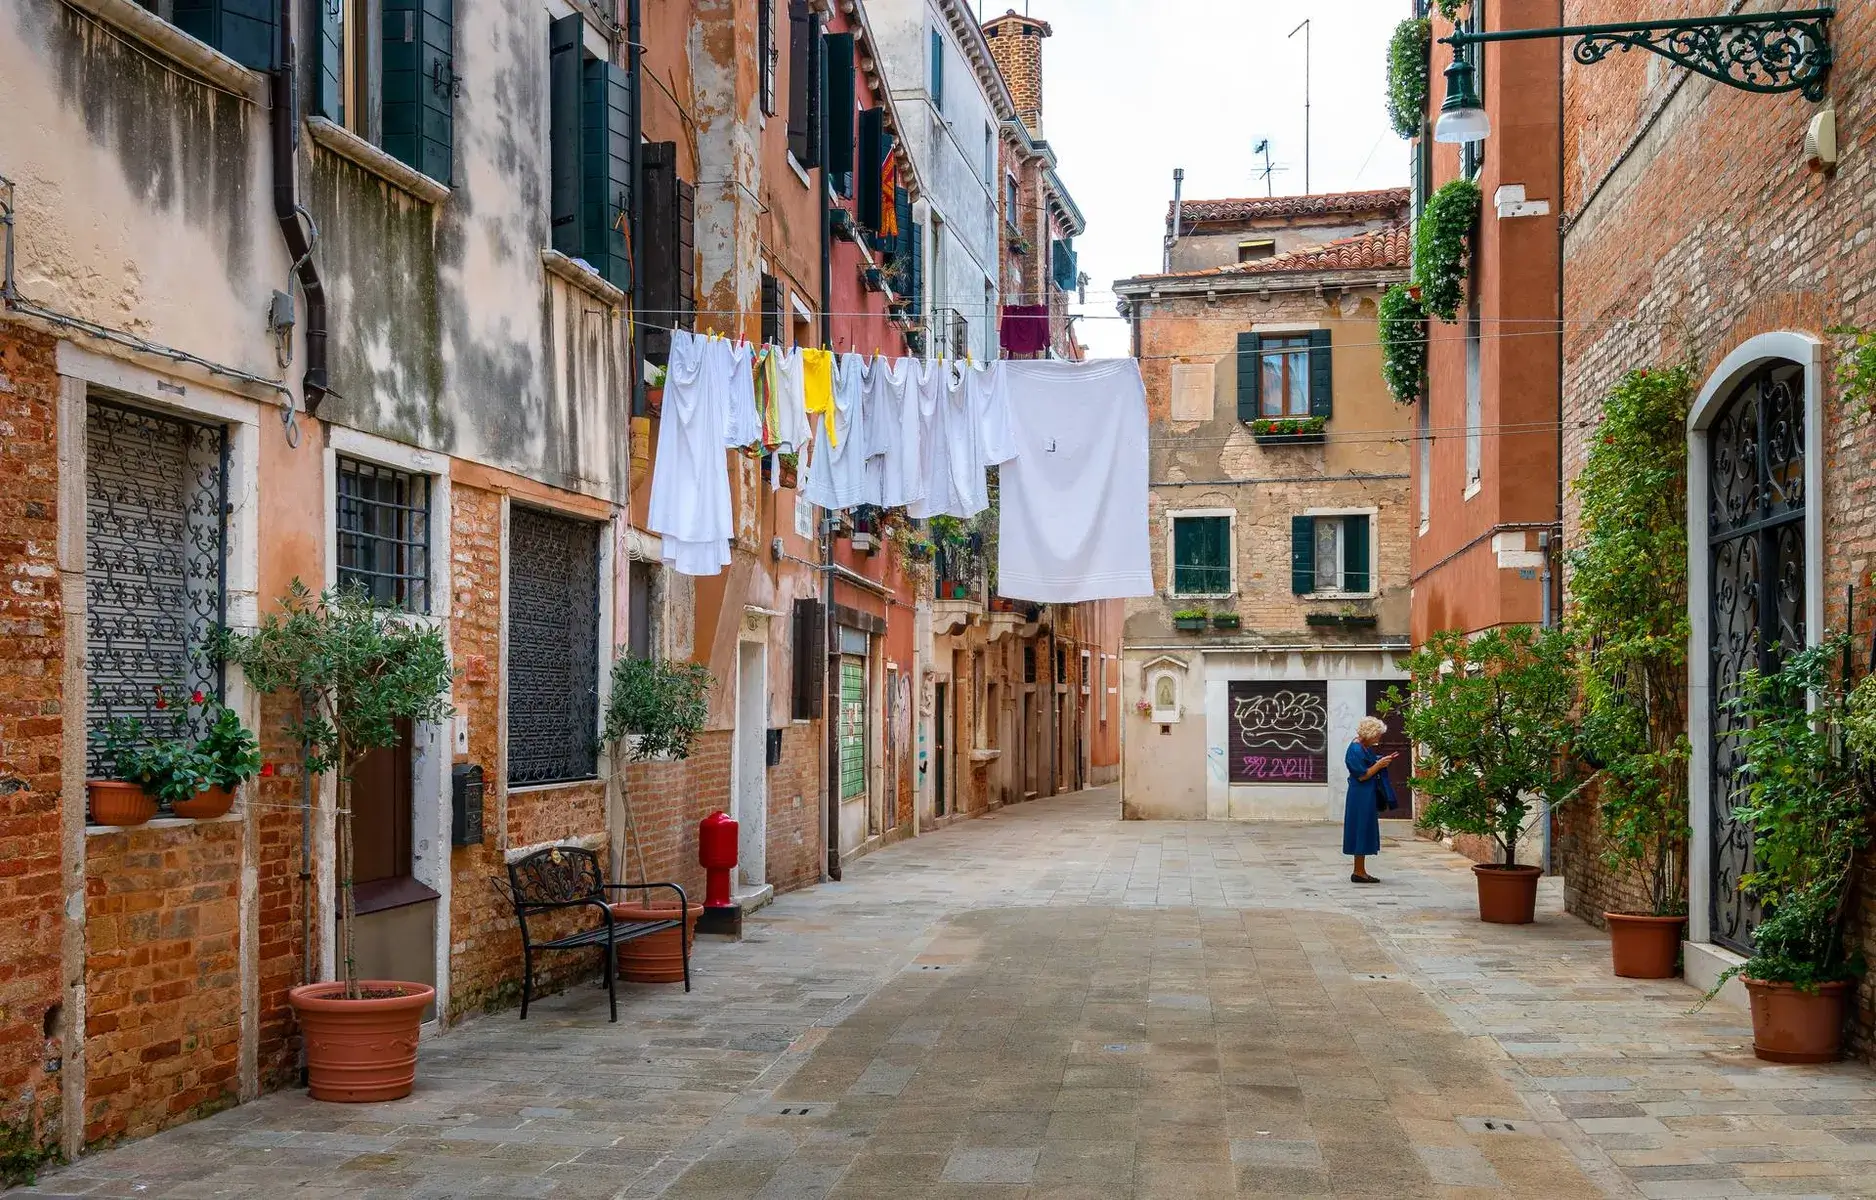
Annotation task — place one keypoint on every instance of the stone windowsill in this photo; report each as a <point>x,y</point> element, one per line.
<point>195,57</point>
<point>236,814</point>
<point>582,276</point>
<point>361,153</point>
<point>984,754</point>
<point>529,789</point>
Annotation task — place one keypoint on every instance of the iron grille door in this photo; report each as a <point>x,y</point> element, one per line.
<point>156,501</point>
<point>553,648</point>
<point>1755,523</point>
<point>852,727</point>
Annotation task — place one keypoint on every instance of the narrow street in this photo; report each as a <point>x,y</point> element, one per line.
<point>1051,1003</point>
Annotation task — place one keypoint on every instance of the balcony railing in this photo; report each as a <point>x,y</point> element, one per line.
<point>959,572</point>
<point>951,332</point>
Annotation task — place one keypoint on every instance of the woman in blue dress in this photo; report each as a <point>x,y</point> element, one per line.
<point>1368,793</point>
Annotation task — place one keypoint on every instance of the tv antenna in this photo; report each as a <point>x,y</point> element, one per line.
<point>1267,170</point>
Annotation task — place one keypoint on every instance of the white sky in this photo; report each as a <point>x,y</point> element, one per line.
<point>1134,88</point>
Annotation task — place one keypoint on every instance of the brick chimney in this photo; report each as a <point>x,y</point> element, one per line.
<point>1016,45</point>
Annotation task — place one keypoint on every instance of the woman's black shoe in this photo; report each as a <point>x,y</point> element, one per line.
<point>1363,879</point>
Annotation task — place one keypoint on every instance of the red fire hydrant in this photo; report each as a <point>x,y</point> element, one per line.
<point>716,852</point>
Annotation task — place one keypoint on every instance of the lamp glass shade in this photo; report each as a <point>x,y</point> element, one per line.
<point>1462,125</point>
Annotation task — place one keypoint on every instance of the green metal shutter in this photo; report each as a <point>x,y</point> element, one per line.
<point>852,727</point>
<point>242,29</point>
<point>874,141</point>
<point>1355,541</point>
<point>606,170</point>
<point>1321,375</point>
<point>1185,554</point>
<point>1250,374</point>
<point>420,84</point>
<point>1302,555</point>
<point>564,59</point>
<point>329,60</point>
<point>937,70</point>
<point>918,269</point>
<point>837,152</point>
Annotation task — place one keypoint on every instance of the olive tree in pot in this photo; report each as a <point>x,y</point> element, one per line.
<point>655,712</point>
<point>1491,717</point>
<point>357,670</point>
<point>1807,744</point>
<point>1628,585</point>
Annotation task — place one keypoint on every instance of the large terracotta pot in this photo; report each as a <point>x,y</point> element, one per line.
<point>115,802</point>
<point>1644,947</point>
<point>205,805</point>
<point>1790,1026</point>
<point>358,1051</point>
<point>1507,895</point>
<point>659,957</point>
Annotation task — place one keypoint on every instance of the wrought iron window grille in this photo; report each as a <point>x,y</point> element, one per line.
<point>553,648</point>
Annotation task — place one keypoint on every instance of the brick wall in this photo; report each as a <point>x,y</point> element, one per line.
<point>797,850</point>
<point>1590,889</point>
<point>1016,47</point>
<point>162,978</point>
<point>667,800</point>
<point>281,896</point>
<point>32,643</point>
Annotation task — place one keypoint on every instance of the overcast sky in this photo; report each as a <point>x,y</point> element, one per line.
<point>1134,88</point>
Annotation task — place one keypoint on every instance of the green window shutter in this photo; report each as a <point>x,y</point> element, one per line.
<point>937,70</point>
<point>1302,555</point>
<point>1321,375</point>
<point>874,141</point>
<point>1250,374</point>
<point>563,120</point>
<point>606,170</point>
<point>329,59</point>
<point>840,100</point>
<point>1355,574</point>
<point>419,84</point>
<point>242,29</point>
<point>918,270</point>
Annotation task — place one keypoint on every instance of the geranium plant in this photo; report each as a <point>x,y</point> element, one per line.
<point>1491,716</point>
<point>1288,426</point>
<point>357,670</point>
<point>177,769</point>
<point>1628,584</point>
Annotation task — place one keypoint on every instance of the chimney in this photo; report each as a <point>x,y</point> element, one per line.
<point>1016,45</point>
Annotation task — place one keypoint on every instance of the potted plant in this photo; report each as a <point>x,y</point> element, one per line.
<point>1226,621</point>
<point>1491,717</point>
<point>1190,620</point>
<point>147,768</point>
<point>1289,431</point>
<point>357,670</point>
<point>1628,583</point>
<point>231,755</point>
<point>656,710</point>
<point>1807,747</point>
<point>654,389</point>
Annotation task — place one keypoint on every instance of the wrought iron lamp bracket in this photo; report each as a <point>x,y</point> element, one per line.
<point>1756,52</point>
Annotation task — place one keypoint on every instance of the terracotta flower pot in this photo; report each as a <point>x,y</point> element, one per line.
<point>359,1051</point>
<point>659,957</point>
<point>206,804</point>
<point>1644,947</point>
<point>115,802</point>
<point>1507,895</point>
<point>1790,1026</point>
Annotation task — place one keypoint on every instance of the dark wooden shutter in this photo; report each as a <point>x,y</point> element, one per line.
<point>765,48</point>
<point>809,651</point>
<point>817,91</point>
<point>606,170</point>
<point>840,101</point>
<point>1250,374</point>
<point>874,143</point>
<point>329,60</point>
<point>771,310</point>
<point>937,70</point>
<point>798,84</point>
<point>686,255</point>
<point>242,29</point>
<point>564,58</point>
<point>660,305</point>
<point>1321,375</point>
<point>1302,555</point>
<point>419,84</point>
<point>1355,551</point>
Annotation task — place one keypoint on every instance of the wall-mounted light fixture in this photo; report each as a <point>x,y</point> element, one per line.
<point>1755,52</point>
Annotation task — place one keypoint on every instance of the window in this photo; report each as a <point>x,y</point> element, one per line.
<point>670,254</point>
<point>641,610</point>
<point>937,70</point>
<point>384,534</point>
<point>1426,462</point>
<point>1251,251</point>
<point>769,55</point>
<point>393,81</point>
<point>1010,204</point>
<point>990,153</point>
<point>804,84</point>
<point>241,29</point>
<point>1331,554</point>
<point>1100,694</point>
<point>839,101</point>
<point>1065,264</point>
<point>155,540</point>
<point>1202,555</point>
<point>553,648</point>
<point>1472,154</point>
<point>1029,664</point>
<point>590,148</point>
<point>1475,395</point>
<point>1285,384</point>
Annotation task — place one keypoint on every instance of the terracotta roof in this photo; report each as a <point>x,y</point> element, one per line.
<point>1321,205</point>
<point>1376,250</point>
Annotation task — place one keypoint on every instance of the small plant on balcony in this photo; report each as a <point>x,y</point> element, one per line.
<point>1443,247</point>
<point>1019,244</point>
<point>1407,70</point>
<point>1289,429</point>
<point>1191,620</point>
<point>1403,329</point>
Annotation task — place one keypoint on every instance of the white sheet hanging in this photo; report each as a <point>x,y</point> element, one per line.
<point>837,476</point>
<point>968,433</point>
<point>744,420</point>
<point>1073,500</point>
<point>690,483</point>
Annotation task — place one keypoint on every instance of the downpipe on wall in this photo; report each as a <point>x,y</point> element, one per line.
<point>284,93</point>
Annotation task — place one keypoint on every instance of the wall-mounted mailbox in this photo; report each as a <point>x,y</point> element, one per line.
<point>465,801</point>
<point>775,747</point>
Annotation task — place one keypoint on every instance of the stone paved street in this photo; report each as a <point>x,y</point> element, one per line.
<point>1049,1003</point>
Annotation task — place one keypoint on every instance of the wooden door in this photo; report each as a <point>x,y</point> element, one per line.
<point>1400,771</point>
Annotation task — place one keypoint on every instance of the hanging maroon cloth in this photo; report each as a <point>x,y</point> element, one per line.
<point>1025,328</point>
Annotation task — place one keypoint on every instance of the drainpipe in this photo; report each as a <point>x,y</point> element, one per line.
<point>283,92</point>
<point>1179,181</point>
<point>830,690</point>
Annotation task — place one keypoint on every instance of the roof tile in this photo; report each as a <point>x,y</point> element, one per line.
<point>1323,204</point>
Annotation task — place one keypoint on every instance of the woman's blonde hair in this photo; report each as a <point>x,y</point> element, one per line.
<point>1370,727</point>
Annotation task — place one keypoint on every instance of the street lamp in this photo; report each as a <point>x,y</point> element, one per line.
<point>1767,52</point>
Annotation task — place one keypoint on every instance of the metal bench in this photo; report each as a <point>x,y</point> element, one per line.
<point>564,877</point>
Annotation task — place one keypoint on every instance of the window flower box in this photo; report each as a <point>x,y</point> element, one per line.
<point>1226,621</point>
<point>1290,431</point>
<point>1190,621</point>
<point>1341,620</point>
